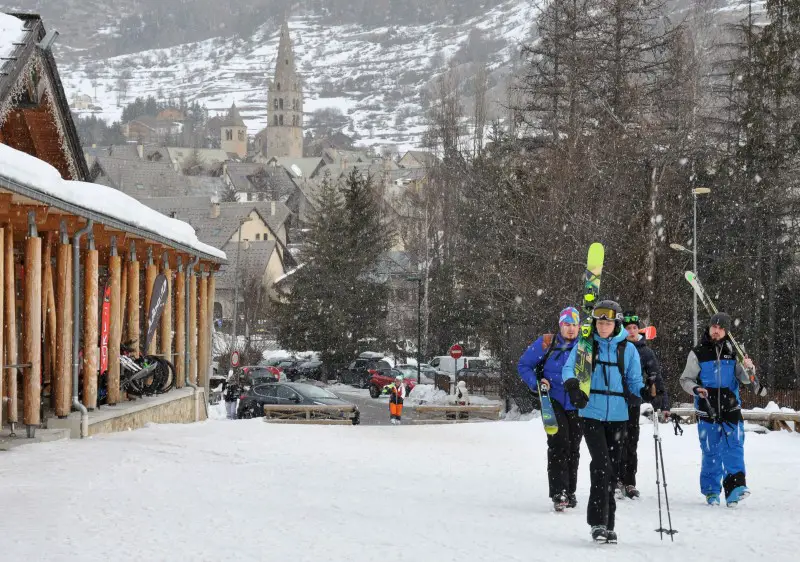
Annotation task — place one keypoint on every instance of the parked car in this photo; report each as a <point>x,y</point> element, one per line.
<point>379,379</point>
<point>427,373</point>
<point>446,365</point>
<point>252,373</point>
<point>309,370</point>
<point>253,400</point>
<point>359,372</point>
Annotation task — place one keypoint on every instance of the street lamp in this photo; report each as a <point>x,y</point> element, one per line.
<point>695,192</point>
<point>236,279</point>
<point>418,279</point>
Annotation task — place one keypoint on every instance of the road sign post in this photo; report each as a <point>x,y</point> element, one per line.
<point>456,351</point>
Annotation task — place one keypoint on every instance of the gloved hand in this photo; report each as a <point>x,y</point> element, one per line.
<point>759,389</point>
<point>545,385</point>
<point>576,395</point>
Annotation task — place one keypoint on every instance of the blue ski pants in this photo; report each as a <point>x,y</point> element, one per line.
<point>722,445</point>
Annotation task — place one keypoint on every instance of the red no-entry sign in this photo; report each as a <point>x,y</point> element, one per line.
<point>456,351</point>
<point>235,359</point>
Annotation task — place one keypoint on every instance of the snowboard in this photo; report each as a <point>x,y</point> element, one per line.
<point>711,308</point>
<point>649,332</point>
<point>548,413</point>
<point>591,290</point>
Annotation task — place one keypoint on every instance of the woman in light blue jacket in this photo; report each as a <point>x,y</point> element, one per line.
<point>616,375</point>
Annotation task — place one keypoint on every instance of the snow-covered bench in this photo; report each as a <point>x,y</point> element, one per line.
<point>451,413</point>
<point>776,420</point>
<point>308,414</point>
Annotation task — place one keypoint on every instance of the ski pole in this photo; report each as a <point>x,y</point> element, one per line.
<point>658,482</point>
<point>671,531</point>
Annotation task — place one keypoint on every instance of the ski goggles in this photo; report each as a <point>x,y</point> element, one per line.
<point>631,319</point>
<point>603,313</point>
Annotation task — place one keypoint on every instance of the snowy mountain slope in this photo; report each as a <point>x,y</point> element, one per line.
<point>375,76</point>
<point>246,490</point>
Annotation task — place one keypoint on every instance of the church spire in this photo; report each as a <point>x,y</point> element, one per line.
<point>285,103</point>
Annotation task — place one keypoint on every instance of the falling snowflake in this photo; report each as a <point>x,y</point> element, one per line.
<point>539,292</point>
<point>683,161</point>
<point>758,178</point>
<point>659,219</point>
<point>518,299</point>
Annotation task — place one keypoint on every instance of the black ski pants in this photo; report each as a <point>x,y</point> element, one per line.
<point>603,440</point>
<point>628,458</point>
<point>564,451</point>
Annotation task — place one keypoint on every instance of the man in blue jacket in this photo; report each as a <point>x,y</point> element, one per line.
<point>616,373</point>
<point>541,364</point>
<point>713,376</point>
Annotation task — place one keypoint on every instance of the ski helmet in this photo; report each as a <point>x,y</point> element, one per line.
<point>608,310</point>
<point>398,378</point>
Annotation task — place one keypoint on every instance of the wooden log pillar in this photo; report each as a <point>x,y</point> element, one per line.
<point>62,386</point>
<point>165,348</point>
<point>180,326</point>
<point>150,278</point>
<point>115,326</point>
<point>11,326</point>
<point>192,327</point>
<point>123,303</point>
<point>212,287</point>
<point>133,302</point>
<point>2,319</point>
<point>48,315</point>
<point>32,341</point>
<point>203,334</point>
<point>90,308</point>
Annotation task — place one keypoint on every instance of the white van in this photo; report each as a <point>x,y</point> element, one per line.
<point>446,365</point>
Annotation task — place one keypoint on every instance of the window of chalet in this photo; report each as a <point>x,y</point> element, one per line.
<point>258,236</point>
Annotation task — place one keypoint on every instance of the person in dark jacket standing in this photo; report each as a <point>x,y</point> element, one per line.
<point>654,393</point>
<point>712,375</point>
<point>541,364</point>
<point>233,388</point>
<point>616,374</point>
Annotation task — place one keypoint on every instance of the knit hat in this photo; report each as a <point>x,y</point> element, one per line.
<point>569,316</point>
<point>722,320</point>
<point>631,318</point>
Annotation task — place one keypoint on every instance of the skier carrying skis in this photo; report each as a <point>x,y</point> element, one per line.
<point>712,375</point>
<point>655,395</point>
<point>397,392</point>
<point>616,374</point>
<point>542,363</point>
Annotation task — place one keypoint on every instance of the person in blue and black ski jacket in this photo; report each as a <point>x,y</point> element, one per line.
<point>655,393</point>
<point>541,364</point>
<point>616,374</point>
<point>713,376</point>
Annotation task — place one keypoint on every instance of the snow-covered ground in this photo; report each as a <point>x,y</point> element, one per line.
<point>247,490</point>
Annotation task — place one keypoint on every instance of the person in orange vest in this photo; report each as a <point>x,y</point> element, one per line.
<point>397,392</point>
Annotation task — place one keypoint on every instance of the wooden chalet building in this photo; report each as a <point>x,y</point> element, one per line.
<point>61,241</point>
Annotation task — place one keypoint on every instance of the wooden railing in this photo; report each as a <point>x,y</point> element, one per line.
<point>774,420</point>
<point>308,414</point>
<point>452,413</point>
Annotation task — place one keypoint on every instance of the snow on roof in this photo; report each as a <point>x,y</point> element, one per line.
<point>10,32</point>
<point>44,178</point>
<point>288,273</point>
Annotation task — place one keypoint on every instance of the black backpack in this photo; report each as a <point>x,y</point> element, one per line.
<point>620,364</point>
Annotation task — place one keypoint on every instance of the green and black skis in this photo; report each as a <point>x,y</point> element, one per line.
<point>711,308</point>
<point>591,290</point>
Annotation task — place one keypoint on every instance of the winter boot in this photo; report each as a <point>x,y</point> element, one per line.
<point>560,501</point>
<point>599,533</point>
<point>712,499</point>
<point>572,501</point>
<point>611,536</point>
<point>619,491</point>
<point>737,494</point>
<point>631,492</point>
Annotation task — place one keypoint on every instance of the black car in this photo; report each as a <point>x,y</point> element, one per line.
<point>252,401</point>
<point>360,371</point>
<point>309,370</point>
